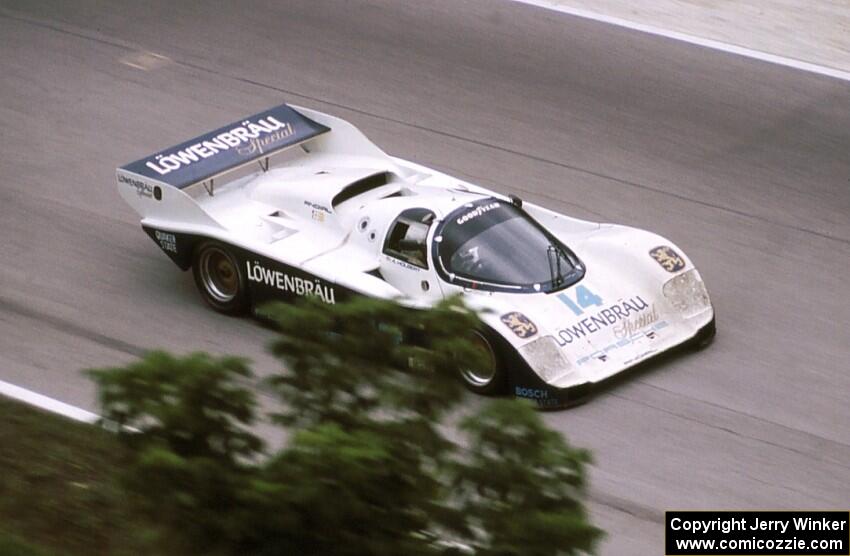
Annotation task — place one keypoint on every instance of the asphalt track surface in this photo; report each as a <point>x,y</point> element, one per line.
<point>744,164</point>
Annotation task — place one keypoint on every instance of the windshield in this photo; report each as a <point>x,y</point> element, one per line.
<point>492,244</point>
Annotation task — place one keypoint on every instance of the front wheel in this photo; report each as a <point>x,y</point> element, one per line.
<point>219,278</point>
<point>488,376</point>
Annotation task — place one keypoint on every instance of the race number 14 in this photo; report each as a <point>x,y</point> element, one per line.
<point>584,299</point>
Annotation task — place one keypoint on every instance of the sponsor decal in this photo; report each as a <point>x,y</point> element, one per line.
<point>602,319</point>
<point>476,212</point>
<point>318,207</point>
<point>640,356</point>
<point>539,395</point>
<point>667,258</point>
<point>142,189</point>
<point>284,282</point>
<point>534,393</point>
<point>628,328</point>
<point>167,241</point>
<point>249,138</point>
<point>258,146</point>
<point>519,324</point>
<point>602,354</point>
<point>318,211</point>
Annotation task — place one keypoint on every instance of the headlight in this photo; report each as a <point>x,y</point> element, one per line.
<point>686,292</point>
<point>545,357</point>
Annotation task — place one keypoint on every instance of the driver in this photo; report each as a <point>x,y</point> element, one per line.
<point>469,260</point>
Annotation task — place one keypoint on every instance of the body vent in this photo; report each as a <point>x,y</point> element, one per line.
<point>376,272</point>
<point>361,186</point>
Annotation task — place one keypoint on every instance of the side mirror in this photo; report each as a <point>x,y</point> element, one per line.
<point>515,201</point>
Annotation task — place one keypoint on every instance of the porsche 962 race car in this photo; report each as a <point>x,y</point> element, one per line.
<point>566,303</point>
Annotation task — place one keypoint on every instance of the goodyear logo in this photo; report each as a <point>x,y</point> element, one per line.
<point>519,324</point>
<point>667,258</point>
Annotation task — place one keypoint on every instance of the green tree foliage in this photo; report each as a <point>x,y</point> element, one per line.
<point>195,406</point>
<point>346,493</point>
<point>359,360</point>
<point>193,449</point>
<point>367,386</point>
<point>522,486</point>
<point>13,546</point>
<point>371,378</point>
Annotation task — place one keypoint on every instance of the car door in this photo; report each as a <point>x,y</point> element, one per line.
<point>404,256</point>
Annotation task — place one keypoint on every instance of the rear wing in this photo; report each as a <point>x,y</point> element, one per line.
<point>156,186</point>
<point>226,149</point>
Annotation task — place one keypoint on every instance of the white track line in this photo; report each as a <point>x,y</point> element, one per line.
<point>708,43</point>
<point>48,404</point>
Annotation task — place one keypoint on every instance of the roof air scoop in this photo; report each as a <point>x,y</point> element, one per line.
<point>361,186</point>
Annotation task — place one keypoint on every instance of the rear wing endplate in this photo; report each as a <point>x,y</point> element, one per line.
<point>201,159</point>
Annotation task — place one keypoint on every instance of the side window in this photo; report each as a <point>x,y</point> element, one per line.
<point>407,239</point>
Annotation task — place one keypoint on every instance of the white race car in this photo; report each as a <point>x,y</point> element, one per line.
<point>566,303</point>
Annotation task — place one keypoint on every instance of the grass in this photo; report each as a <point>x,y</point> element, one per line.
<point>60,492</point>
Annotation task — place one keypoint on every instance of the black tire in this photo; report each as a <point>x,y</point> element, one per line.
<point>220,278</point>
<point>491,380</point>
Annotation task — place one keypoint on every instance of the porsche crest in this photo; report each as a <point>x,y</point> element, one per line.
<point>667,258</point>
<point>519,324</point>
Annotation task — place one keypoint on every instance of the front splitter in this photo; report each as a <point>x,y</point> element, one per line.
<point>526,384</point>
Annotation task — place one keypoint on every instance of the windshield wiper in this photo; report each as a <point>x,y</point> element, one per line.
<point>554,266</point>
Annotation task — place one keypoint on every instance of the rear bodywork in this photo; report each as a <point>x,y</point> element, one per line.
<point>316,223</point>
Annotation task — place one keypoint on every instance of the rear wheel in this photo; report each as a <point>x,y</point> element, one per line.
<point>488,377</point>
<point>219,278</point>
